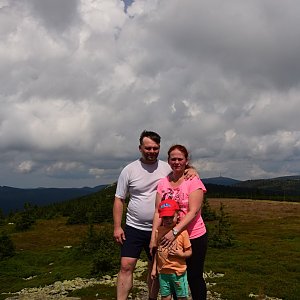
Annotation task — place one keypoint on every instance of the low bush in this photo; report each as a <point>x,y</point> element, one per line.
<point>7,247</point>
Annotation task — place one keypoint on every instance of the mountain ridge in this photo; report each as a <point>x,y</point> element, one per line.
<point>12,198</point>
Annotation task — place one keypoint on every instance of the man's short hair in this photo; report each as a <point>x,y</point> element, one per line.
<point>151,135</point>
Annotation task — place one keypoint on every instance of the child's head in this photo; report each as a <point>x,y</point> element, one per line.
<point>168,211</point>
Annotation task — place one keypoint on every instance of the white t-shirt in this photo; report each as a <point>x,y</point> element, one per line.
<point>140,181</point>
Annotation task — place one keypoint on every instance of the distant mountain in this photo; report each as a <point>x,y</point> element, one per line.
<point>285,188</point>
<point>280,188</point>
<point>287,185</point>
<point>12,199</point>
<point>220,181</point>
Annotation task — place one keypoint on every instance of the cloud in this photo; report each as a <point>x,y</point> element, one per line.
<point>81,79</point>
<point>25,166</point>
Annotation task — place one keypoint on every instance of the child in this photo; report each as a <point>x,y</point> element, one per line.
<point>169,262</point>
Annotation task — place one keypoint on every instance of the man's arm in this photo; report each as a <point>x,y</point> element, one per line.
<point>190,172</point>
<point>118,208</point>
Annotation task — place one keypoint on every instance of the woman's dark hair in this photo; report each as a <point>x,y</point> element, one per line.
<point>151,135</point>
<point>181,149</point>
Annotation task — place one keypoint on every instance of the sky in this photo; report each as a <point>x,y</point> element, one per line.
<point>81,79</point>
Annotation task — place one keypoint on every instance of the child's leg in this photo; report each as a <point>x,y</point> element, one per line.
<point>180,286</point>
<point>165,288</point>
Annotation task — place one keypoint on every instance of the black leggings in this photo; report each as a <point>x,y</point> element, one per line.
<point>195,267</point>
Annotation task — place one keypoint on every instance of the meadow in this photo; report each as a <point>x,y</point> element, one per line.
<point>264,258</point>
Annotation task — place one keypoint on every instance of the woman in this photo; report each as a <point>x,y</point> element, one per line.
<point>189,196</point>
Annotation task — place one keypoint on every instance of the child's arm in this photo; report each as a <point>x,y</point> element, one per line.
<point>154,266</point>
<point>188,252</point>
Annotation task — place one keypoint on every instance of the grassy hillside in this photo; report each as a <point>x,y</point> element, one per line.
<point>264,259</point>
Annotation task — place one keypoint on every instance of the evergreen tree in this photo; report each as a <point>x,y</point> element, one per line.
<point>221,236</point>
<point>207,213</point>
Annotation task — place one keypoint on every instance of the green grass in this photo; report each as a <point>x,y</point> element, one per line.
<point>265,258</point>
<point>47,266</point>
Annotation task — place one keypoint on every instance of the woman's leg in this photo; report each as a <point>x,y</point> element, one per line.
<point>195,267</point>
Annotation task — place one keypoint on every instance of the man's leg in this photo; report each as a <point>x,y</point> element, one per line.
<point>125,277</point>
<point>153,284</point>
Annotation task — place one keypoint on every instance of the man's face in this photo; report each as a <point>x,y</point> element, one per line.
<point>149,150</point>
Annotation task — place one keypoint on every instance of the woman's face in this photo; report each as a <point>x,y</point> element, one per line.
<point>177,161</point>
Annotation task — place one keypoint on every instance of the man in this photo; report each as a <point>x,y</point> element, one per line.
<point>139,179</point>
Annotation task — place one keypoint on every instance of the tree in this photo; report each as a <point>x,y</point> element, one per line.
<point>221,236</point>
<point>207,213</point>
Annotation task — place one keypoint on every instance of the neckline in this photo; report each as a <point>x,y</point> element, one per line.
<point>175,184</point>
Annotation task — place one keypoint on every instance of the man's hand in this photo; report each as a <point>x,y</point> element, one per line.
<point>190,173</point>
<point>119,235</point>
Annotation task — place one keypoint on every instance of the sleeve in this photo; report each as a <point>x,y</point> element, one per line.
<point>186,240</point>
<point>160,186</point>
<point>196,184</point>
<point>122,185</point>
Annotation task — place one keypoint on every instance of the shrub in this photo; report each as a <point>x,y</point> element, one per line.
<point>7,247</point>
<point>105,262</point>
<point>25,219</point>
<point>2,218</point>
<point>105,250</point>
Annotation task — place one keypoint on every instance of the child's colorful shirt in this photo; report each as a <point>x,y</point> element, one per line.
<point>169,264</point>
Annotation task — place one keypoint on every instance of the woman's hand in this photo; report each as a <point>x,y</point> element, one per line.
<point>168,239</point>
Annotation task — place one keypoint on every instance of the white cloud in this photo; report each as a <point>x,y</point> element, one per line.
<point>25,166</point>
<point>81,79</point>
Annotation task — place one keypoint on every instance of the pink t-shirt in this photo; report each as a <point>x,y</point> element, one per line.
<point>180,194</point>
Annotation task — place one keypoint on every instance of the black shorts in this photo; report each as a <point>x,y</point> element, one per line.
<point>136,241</point>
